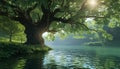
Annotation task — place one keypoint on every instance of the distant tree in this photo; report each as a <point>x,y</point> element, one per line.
<point>62,16</point>
<point>10,28</point>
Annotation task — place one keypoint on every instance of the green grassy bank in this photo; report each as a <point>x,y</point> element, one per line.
<point>16,49</point>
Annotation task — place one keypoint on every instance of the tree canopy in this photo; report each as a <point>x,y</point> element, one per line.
<point>62,16</point>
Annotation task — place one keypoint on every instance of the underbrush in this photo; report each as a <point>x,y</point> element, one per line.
<point>16,49</point>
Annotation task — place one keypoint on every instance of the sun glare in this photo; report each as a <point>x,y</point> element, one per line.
<point>92,3</point>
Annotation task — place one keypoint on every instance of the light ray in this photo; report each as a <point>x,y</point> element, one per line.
<point>92,3</point>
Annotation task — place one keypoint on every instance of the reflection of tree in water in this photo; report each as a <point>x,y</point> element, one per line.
<point>105,62</point>
<point>111,63</point>
<point>12,63</point>
<point>64,60</point>
<point>29,62</point>
<point>35,62</point>
<point>60,60</point>
<point>80,60</point>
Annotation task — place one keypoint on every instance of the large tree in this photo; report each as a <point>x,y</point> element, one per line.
<point>66,16</point>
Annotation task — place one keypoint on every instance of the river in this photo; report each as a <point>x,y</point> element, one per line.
<point>68,57</point>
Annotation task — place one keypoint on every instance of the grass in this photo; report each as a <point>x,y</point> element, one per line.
<point>16,49</point>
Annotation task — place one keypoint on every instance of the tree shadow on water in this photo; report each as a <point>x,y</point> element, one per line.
<point>35,62</point>
<point>28,62</point>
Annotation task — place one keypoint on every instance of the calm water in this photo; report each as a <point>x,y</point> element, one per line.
<point>68,57</point>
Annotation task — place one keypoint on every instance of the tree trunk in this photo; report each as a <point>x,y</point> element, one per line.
<point>34,35</point>
<point>10,38</point>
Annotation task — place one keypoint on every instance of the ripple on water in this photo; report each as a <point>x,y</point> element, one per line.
<point>78,59</point>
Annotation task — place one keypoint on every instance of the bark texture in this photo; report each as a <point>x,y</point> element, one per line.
<point>34,35</point>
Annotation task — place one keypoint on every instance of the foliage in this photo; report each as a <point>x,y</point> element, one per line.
<point>10,28</point>
<point>15,49</point>
<point>65,15</point>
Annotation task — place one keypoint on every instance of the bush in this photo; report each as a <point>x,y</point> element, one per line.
<point>16,49</point>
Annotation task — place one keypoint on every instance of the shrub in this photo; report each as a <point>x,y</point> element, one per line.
<point>16,49</point>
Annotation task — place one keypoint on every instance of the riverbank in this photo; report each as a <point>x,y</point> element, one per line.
<point>16,49</point>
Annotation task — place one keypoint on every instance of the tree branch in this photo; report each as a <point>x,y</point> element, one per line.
<point>70,19</point>
<point>14,18</point>
<point>16,10</point>
<point>56,11</point>
<point>83,5</point>
<point>11,5</point>
<point>61,20</point>
<point>46,9</point>
<point>7,15</point>
<point>52,31</point>
<point>43,9</point>
<point>91,17</point>
<point>32,8</point>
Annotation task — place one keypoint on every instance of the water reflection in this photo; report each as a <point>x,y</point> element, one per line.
<point>35,62</point>
<point>64,58</point>
<point>12,63</point>
<point>27,62</point>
